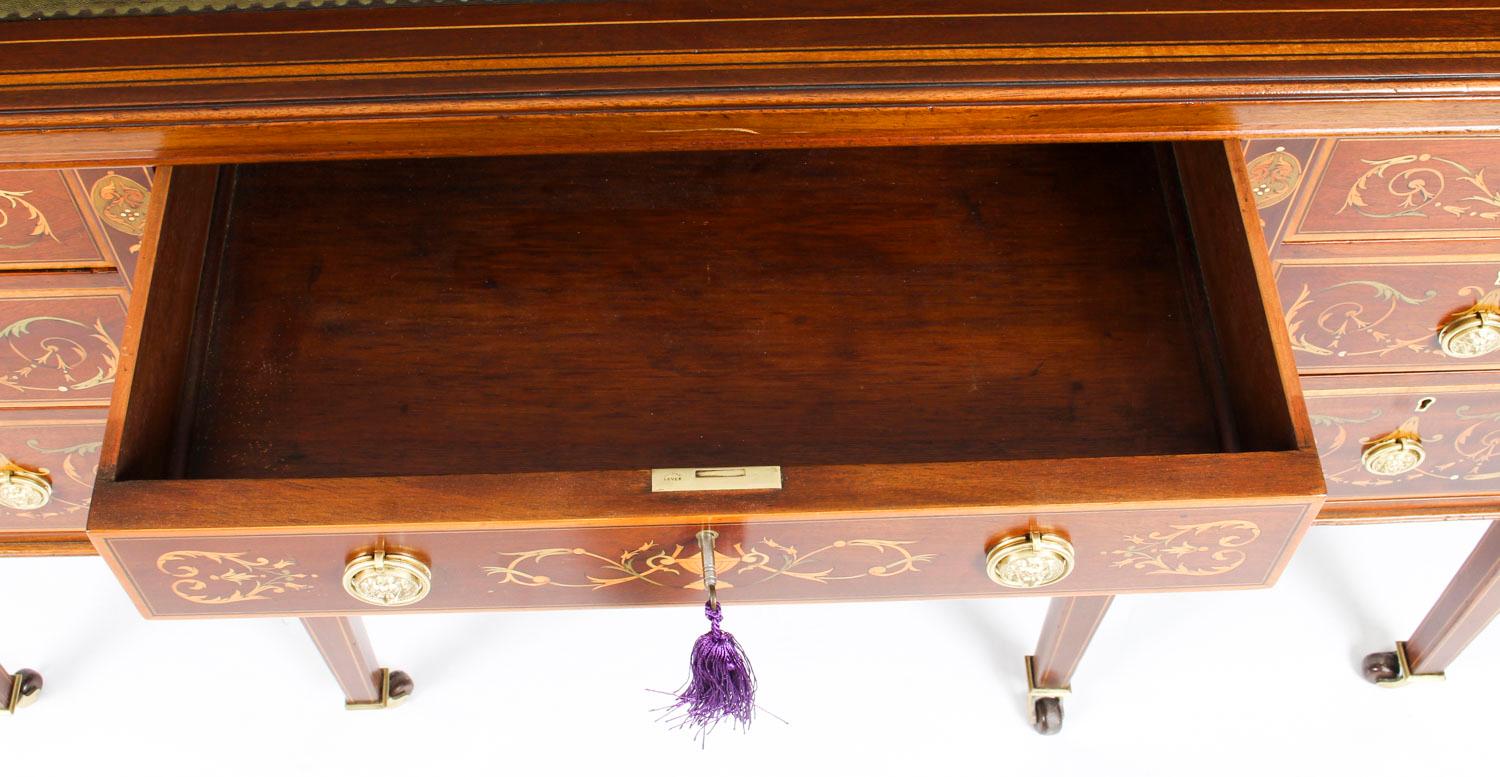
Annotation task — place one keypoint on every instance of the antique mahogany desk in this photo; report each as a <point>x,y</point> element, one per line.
<point>496,306</point>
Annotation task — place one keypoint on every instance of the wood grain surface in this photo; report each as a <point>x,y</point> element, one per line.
<point>1066,634</point>
<point>711,309</point>
<point>1463,611</point>
<point>520,78</point>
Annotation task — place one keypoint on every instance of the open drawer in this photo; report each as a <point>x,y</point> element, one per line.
<point>479,362</point>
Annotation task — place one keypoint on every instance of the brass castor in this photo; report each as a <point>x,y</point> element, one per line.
<point>1393,669</point>
<point>25,686</point>
<point>1046,703</point>
<point>1047,715</point>
<point>395,687</point>
<point>1381,667</point>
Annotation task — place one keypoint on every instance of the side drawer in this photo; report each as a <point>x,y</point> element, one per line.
<point>1389,316</point>
<point>300,574</point>
<point>62,445</point>
<point>60,338</point>
<point>1450,422</point>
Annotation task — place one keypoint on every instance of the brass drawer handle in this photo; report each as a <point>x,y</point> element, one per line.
<point>387,579</point>
<point>1393,455</point>
<point>22,488</point>
<point>1474,333</point>
<point>1031,560</point>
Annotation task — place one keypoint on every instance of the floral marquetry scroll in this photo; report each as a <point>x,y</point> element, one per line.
<point>42,225</point>
<point>208,577</point>
<point>60,348</point>
<point>1414,185</point>
<point>59,355</point>
<point>1388,188</point>
<point>121,203</point>
<point>1386,316</point>
<point>119,200</point>
<point>1355,315</point>
<point>1191,550</point>
<point>23,222</point>
<point>682,567</point>
<point>1274,176</point>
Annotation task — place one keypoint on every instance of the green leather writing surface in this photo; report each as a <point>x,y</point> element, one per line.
<point>50,9</point>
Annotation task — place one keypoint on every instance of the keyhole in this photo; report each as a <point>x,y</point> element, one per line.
<point>1424,403</point>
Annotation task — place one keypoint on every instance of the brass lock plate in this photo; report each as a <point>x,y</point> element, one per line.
<point>715,479</point>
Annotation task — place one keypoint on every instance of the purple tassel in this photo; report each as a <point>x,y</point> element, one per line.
<point>722,685</point>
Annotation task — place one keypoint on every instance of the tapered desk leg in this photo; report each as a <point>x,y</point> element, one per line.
<point>1070,626</point>
<point>19,689</point>
<point>1469,603</point>
<point>346,649</point>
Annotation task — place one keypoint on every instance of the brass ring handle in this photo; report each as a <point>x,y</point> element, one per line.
<point>23,489</point>
<point>387,579</point>
<point>1474,333</point>
<point>1393,455</point>
<point>1031,560</point>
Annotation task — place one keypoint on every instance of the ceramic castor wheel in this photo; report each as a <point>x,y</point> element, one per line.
<point>1047,715</point>
<point>1381,667</point>
<point>401,686</point>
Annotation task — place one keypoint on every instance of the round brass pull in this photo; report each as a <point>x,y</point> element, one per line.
<point>1393,456</point>
<point>1030,560</point>
<point>23,489</point>
<point>387,579</point>
<point>1474,333</point>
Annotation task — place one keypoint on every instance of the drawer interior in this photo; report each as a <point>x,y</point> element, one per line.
<point>959,330</point>
<point>594,312</point>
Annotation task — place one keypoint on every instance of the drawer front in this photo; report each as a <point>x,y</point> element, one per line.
<point>281,574</point>
<point>41,224</point>
<point>1277,170</point>
<point>68,219</point>
<point>1384,317</point>
<point>1372,189</point>
<point>59,347</point>
<point>117,200</point>
<point>1457,427</point>
<point>62,445</point>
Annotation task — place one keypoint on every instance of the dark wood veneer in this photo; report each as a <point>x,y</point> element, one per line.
<point>608,312</point>
<point>362,83</point>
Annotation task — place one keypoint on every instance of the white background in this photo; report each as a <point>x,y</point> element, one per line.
<point>1240,683</point>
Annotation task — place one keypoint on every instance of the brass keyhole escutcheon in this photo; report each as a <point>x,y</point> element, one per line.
<point>1393,456</point>
<point>1474,333</point>
<point>1031,560</point>
<point>23,489</point>
<point>387,579</point>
